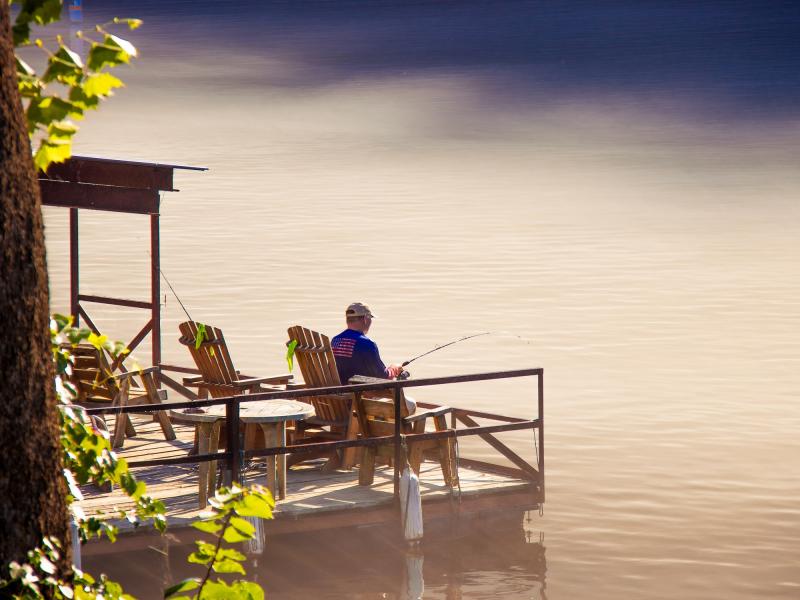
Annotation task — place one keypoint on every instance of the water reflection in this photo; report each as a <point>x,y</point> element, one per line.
<point>492,559</point>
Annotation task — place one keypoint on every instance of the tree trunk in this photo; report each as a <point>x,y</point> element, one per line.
<point>32,487</point>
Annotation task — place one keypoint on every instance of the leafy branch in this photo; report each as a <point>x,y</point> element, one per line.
<point>86,447</point>
<point>49,115</point>
<point>229,520</point>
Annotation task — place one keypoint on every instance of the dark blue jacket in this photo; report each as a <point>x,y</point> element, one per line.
<point>356,354</point>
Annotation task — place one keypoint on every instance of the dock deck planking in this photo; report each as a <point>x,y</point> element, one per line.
<point>312,495</point>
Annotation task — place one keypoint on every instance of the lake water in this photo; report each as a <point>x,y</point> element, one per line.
<point>609,187</point>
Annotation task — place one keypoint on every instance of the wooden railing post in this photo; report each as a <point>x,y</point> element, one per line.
<point>233,450</point>
<point>397,448</point>
<point>540,396</point>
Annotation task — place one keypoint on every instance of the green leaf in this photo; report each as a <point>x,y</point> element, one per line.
<point>207,526</point>
<point>50,152</point>
<point>40,12</point>
<point>255,505</point>
<point>228,566</point>
<point>44,11</point>
<point>62,130</point>
<point>290,354</point>
<point>201,336</point>
<point>79,98</point>
<point>218,590</point>
<point>21,31</point>
<point>97,340</point>
<point>74,490</point>
<point>125,45</point>
<point>24,68</point>
<point>199,558</point>
<point>186,585</point>
<point>47,566</point>
<point>47,109</point>
<point>247,590</point>
<point>234,536</point>
<point>65,66</point>
<point>100,84</point>
<point>238,530</point>
<point>111,52</point>
<point>204,553</point>
<point>160,522</point>
<point>230,554</point>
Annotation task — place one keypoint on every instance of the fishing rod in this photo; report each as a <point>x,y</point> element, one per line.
<point>466,337</point>
<point>405,374</point>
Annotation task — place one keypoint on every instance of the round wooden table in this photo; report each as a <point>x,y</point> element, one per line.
<point>270,415</point>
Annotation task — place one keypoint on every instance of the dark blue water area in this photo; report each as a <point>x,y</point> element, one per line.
<point>735,58</point>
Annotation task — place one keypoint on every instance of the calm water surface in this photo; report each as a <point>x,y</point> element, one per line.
<point>610,187</point>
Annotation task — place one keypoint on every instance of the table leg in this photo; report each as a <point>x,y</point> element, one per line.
<point>203,432</point>
<point>271,441</point>
<point>281,435</point>
<point>213,446</point>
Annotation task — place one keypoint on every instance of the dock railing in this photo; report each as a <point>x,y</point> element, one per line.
<point>234,455</point>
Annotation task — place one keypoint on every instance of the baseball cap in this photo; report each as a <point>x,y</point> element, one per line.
<point>356,309</point>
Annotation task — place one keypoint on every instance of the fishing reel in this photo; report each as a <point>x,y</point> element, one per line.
<point>403,375</point>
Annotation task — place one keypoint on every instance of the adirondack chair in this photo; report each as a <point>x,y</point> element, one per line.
<point>335,419</point>
<point>376,418</point>
<point>218,377</point>
<point>97,386</point>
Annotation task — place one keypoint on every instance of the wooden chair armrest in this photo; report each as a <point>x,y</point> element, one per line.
<point>317,422</point>
<point>193,381</point>
<point>247,381</point>
<point>433,412</point>
<point>142,372</point>
<point>295,386</point>
<point>365,379</point>
<point>137,399</point>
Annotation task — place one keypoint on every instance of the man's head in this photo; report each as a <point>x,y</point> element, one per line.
<point>359,317</point>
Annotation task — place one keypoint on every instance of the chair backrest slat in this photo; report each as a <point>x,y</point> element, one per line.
<point>91,374</point>
<point>314,355</point>
<point>211,357</point>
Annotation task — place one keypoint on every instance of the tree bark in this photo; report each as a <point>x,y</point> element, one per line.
<point>32,487</point>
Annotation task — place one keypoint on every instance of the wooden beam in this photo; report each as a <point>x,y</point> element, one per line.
<point>111,172</point>
<point>99,197</point>
<point>115,301</point>
<point>499,446</point>
<point>181,389</point>
<point>474,413</point>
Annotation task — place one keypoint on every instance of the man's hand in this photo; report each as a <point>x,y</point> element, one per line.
<point>393,371</point>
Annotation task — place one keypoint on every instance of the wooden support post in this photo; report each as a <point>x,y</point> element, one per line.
<point>74,281</point>
<point>155,291</point>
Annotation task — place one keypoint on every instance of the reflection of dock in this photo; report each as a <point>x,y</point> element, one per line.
<point>315,499</point>
<point>465,559</point>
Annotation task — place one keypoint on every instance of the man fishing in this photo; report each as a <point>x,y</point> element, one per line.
<point>356,354</point>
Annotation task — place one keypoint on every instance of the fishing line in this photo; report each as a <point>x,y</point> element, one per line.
<point>172,289</point>
<point>174,293</point>
<point>466,337</point>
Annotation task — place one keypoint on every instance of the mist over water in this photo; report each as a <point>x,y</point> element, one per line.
<point>610,187</point>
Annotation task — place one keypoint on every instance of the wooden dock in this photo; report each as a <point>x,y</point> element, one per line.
<point>315,499</point>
